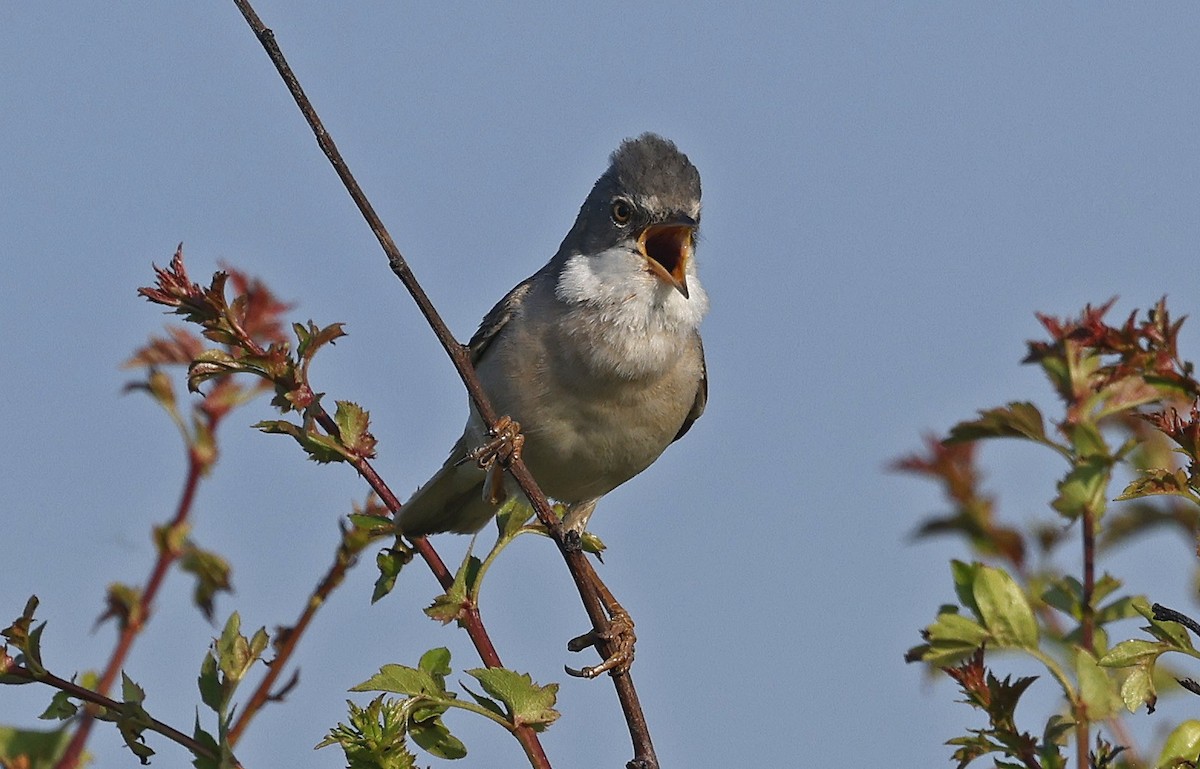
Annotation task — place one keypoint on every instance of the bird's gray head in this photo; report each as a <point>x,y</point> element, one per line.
<point>648,199</point>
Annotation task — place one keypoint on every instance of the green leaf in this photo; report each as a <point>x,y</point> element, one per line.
<point>236,653</point>
<point>1017,420</point>
<point>132,720</point>
<point>213,362</point>
<point>528,704</point>
<point>401,679</point>
<point>18,632</point>
<point>32,653</point>
<point>1084,489</point>
<point>130,691</point>
<point>950,638</point>
<point>1138,688</point>
<point>590,543</point>
<point>954,629</point>
<point>1182,744</point>
<point>454,602</point>
<point>41,749</point>
<point>372,525</point>
<point>1104,587</point>
<point>1122,608</point>
<point>160,387</point>
<point>208,741</point>
<point>513,514</point>
<point>124,603</point>
<point>1004,609</point>
<point>389,561</point>
<point>486,702</point>
<point>1172,633</point>
<point>1132,652</point>
<point>1066,595</point>
<point>1096,686</point>
<point>212,576</point>
<point>1158,481</point>
<point>374,738</point>
<point>60,708</point>
<point>352,421</point>
<point>1087,441</point>
<point>436,662</point>
<point>434,737</point>
<point>319,447</point>
<point>964,583</point>
<point>310,338</point>
<point>209,683</point>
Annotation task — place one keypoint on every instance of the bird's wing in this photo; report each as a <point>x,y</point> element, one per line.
<point>496,318</point>
<point>701,396</point>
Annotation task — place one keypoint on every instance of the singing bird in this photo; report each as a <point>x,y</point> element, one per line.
<point>597,355</point>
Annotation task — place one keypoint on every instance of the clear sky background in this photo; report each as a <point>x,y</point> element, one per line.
<point>891,191</point>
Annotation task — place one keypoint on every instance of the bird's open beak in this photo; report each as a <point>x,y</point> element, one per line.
<point>667,249</point>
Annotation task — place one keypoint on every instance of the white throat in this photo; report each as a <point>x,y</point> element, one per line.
<point>633,321</point>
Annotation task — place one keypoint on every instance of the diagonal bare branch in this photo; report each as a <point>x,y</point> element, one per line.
<point>581,569</point>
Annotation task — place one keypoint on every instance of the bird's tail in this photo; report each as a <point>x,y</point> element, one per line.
<point>452,500</point>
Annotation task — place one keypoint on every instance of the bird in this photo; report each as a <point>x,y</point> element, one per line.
<point>597,355</point>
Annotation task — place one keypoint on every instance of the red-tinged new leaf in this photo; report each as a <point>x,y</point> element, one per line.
<point>1126,394</point>
<point>1183,431</point>
<point>179,349</point>
<point>1016,420</point>
<point>352,421</point>
<point>311,338</point>
<point>213,363</point>
<point>1158,482</point>
<point>260,312</point>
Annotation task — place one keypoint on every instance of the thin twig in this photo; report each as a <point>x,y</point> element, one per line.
<point>96,698</point>
<point>470,619</point>
<point>1087,625</point>
<point>581,570</point>
<point>345,558</point>
<point>140,613</point>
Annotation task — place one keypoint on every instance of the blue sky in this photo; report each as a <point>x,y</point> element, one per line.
<point>891,191</point>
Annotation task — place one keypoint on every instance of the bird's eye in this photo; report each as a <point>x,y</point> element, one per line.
<point>622,212</point>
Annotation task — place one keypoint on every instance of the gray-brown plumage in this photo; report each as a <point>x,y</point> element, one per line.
<point>597,355</point>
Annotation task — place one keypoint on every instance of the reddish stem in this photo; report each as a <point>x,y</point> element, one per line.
<point>140,613</point>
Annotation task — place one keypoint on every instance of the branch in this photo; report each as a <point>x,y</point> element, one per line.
<point>140,613</point>
<point>96,698</point>
<point>580,568</point>
<point>346,557</point>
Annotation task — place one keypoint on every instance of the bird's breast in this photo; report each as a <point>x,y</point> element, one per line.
<point>589,424</point>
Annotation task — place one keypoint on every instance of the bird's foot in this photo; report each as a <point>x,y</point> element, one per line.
<point>493,457</point>
<point>504,447</point>
<point>616,641</point>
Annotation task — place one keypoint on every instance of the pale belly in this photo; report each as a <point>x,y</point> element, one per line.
<point>591,436</point>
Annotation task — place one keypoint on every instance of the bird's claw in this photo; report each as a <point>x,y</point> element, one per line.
<point>504,447</point>
<point>617,641</point>
<point>493,457</point>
